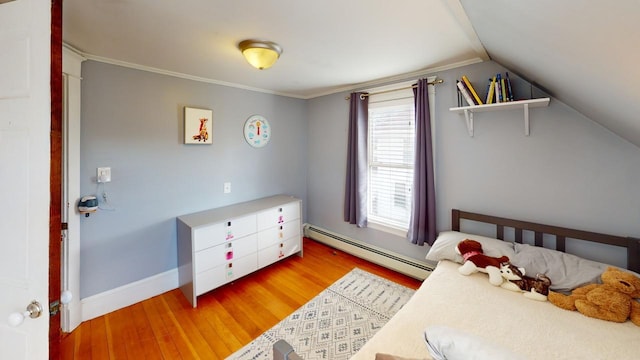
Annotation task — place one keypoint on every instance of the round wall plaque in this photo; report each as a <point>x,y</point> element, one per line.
<point>257,131</point>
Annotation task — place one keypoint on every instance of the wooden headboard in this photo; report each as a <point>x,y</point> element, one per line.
<point>561,234</point>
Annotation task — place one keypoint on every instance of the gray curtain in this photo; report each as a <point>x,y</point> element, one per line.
<point>422,226</point>
<point>355,192</point>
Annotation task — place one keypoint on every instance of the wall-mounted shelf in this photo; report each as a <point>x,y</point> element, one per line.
<point>520,104</point>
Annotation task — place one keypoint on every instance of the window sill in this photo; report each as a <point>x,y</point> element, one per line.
<point>388,229</point>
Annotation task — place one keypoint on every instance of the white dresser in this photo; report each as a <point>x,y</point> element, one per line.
<point>220,245</point>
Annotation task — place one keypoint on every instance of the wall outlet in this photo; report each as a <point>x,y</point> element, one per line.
<point>103,174</point>
<point>227,188</point>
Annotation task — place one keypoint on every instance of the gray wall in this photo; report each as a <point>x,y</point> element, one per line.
<point>570,171</point>
<point>132,122</point>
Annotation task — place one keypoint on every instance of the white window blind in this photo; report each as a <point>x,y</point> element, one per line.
<point>391,154</point>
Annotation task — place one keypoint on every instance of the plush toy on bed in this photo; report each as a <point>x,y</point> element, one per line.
<point>534,288</point>
<point>475,260</point>
<point>613,300</point>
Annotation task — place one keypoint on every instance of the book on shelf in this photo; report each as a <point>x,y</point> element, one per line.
<point>509,90</point>
<point>475,102</point>
<point>486,98</point>
<point>473,92</point>
<point>491,91</point>
<point>499,97</point>
<point>465,94</point>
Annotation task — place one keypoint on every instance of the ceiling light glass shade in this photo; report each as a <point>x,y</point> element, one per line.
<point>260,54</point>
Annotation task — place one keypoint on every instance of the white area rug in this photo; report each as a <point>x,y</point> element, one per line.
<point>336,323</point>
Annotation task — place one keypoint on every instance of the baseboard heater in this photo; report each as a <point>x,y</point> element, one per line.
<point>400,263</point>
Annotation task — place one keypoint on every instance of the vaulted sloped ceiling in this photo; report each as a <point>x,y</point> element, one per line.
<point>583,52</point>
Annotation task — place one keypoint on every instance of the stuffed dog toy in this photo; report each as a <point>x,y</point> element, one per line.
<point>476,261</point>
<point>534,288</point>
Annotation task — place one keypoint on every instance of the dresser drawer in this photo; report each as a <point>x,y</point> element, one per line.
<point>278,215</point>
<point>218,255</point>
<point>278,233</point>
<point>215,234</point>
<point>240,227</point>
<point>208,236</point>
<point>222,274</point>
<point>278,251</point>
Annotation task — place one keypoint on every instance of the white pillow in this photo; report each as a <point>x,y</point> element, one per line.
<point>445,343</point>
<point>566,271</point>
<point>444,246</point>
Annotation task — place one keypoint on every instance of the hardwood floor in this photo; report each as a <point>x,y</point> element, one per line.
<point>227,318</point>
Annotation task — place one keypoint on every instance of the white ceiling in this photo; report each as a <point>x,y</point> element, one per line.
<point>583,52</point>
<point>328,45</point>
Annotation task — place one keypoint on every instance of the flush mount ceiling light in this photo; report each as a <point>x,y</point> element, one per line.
<point>260,54</point>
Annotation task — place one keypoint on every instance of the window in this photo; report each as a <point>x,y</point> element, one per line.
<point>390,164</point>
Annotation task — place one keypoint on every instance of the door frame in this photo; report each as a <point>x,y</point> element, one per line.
<point>70,268</point>
<point>55,177</point>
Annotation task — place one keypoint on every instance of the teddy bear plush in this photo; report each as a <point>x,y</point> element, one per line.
<point>476,261</point>
<point>613,300</point>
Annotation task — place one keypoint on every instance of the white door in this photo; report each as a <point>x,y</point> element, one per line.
<point>24,174</point>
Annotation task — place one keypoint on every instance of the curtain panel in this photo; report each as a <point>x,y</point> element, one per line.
<point>422,225</point>
<point>355,194</point>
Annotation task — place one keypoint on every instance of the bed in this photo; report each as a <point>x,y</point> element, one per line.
<point>482,319</point>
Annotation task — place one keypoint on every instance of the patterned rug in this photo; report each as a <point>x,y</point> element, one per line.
<point>336,323</point>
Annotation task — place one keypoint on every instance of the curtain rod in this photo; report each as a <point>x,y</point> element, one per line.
<point>435,82</point>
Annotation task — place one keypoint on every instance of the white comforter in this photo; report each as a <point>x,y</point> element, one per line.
<point>504,319</point>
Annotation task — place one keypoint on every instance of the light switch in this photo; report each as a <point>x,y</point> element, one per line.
<point>227,187</point>
<point>103,174</point>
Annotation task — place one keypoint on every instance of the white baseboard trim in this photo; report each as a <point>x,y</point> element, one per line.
<point>129,294</point>
<point>406,265</point>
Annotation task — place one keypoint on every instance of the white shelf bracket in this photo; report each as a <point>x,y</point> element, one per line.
<point>468,116</point>
<point>526,119</point>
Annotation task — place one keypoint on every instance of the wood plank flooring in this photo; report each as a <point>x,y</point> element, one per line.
<point>227,318</point>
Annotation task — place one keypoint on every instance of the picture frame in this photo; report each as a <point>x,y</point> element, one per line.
<point>198,124</point>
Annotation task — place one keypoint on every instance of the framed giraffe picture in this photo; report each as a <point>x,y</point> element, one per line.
<point>197,126</point>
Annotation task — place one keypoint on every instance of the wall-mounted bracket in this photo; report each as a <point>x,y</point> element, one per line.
<point>468,115</point>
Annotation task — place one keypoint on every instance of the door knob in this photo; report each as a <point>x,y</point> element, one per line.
<point>33,311</point>
<point>66,297</point>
